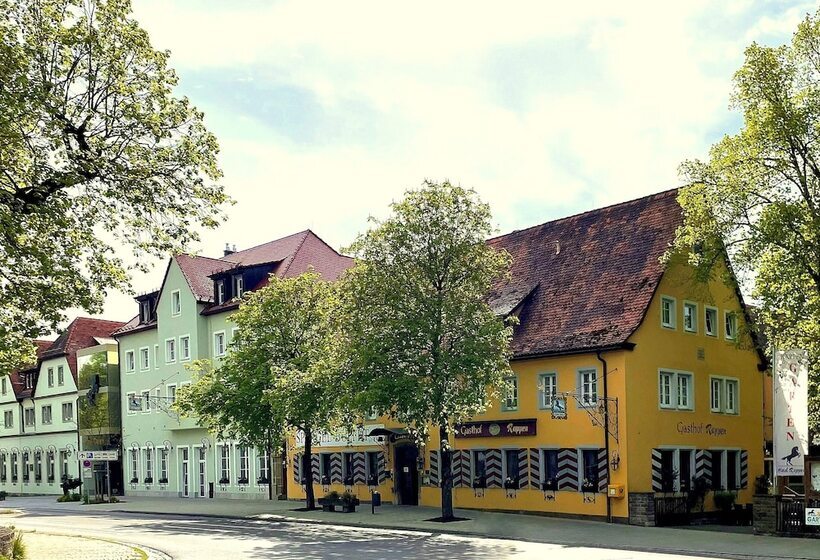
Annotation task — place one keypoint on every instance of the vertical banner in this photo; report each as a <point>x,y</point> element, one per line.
<point>791,418</point>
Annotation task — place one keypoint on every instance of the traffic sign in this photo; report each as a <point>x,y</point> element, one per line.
<point>99,455</point>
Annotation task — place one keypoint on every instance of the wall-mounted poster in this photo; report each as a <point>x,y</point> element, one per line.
<point>791,419</point>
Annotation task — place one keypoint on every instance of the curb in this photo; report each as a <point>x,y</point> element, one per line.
<point>150,553</point>
<point>275,518</point>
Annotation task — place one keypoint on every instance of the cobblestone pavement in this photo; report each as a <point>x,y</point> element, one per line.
<point>41,545</point>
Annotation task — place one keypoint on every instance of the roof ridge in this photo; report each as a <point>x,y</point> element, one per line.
<point>226,259</point>
<point>657,195</point>
<point>292,256</point>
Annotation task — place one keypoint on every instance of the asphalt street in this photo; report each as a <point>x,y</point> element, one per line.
<point>186,538</point>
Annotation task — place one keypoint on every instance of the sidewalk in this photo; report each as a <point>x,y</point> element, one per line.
<point>44,545</point>
<point>727,543</point>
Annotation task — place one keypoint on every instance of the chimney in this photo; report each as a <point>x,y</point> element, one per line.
<point>228,250</point>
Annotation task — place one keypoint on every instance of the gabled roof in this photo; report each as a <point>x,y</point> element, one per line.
<point>594,275</point>
<point>81,333</point>
<point>16,377</point>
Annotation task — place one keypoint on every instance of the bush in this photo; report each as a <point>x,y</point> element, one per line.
<point>348,498</point>
<point>724,500</point>
<point>333,495</point>
<point>762,484</point>
<point>73,497</point>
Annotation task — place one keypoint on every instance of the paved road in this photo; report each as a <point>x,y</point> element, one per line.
<point>185,538</point>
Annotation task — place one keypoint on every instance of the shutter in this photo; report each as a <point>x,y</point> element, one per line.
<point>523,468</point>
<point>434,468</point>
<point>359,474</point>
<point>568,469</point>
<point>493,468</point>
<point>703,465</point>
<point>297,468</point>
<point>314,468</point>
<point>382,467</point>
<point>744,469</point>
<point>535,468</point>
<point>603,470</point>
<point>657,471</point>
<point>458,467</point>
<point>336,467</point>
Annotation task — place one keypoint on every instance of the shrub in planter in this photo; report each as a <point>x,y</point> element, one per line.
<point>550,485</point>
<point>588,487</point>
<point>724,501</point>
<point>69,484</point>
<point>3,495</point>
<point>348,502</point>
<point>149,480</point>
<point>135,480</point>
<point>163,481</point>
<point>326,480</point>
<point>700,486</point>
<point>329,501</point>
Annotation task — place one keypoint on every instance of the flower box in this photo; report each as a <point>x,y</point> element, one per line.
<point>480,482</point>
<point>135,480</point>
<point>511,484</point>
<point>550,485</point>
<point>224,481</point>
<point>163,481</point>
<point>242,481</point>
<point>263,480</point>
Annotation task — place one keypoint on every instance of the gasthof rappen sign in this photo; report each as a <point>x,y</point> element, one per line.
<point>522,427</point>
<point>791,416</point>
<point>701,428</point>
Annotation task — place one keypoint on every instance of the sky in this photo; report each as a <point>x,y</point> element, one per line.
<point>327,111</point>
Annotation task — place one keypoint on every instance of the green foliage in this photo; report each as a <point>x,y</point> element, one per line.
<point>422,345</point>
<point>724,500</point>
<point>73,497</point>
<point>758,195</point>
<point>95,150</point>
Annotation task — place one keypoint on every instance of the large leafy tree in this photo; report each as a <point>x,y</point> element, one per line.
<point>422,343</point>
<point>280,372</point>
<point>757,197</point>
<point>95,150</point>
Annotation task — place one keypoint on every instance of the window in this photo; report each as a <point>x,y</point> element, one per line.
<point>238,286</point>
<point>4,384</point>
<point>549,468</point>
<point>724,395</point>
<point>588,386</point>
<point>176,303</point>
<point>730,321</point>
<point>130,362</point>
<point>244,465</point>
<point>145,311</point>
<point>219,343</point>
<point>50,466</point>
<point>225,464</point>
<point>172,394</point>
<point>146,401</point>
<point>163,466</point>
<point>372,465</point>
<point>51,377</point>
<point>68,412</point>
<point>512,468</point>
<point>668,318</point>
<point>690,317</point>
<point>149,465</point>
<point>14,466</point>
<point>135,466</point>
<point>711,320</point>
<point>144,359</point>
<point>2,467</point>
<point>675,389</point>
<point>510,394</point>
<point>45,413</point>
<point>38,466</point>
<point>479,463</point>
<point>263,466</point>
<point>156,356</point>
<point>60,376</point>
<point>25,466</point>
<point>732,470</point>
<point>589,472</point>
<point>220,291</point>
<point>132,402</point>
<point>29,378</point>
<point>547,389</point>
<point>64,473</point>
<point>29,416</point>
<point>170,351</point>
<point>8,419</point>
<point>184,348</point>
<point>347,468</point>
<point>158,399</point>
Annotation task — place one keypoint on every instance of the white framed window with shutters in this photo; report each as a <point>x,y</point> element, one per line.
<point>510,401</point>
<point>547,389</point>
<point>668,312</point>
<point>710,321</point>
<point>587,386</point>
<point>724,394</point>
<point>690,316</point>
<point>675,389</point>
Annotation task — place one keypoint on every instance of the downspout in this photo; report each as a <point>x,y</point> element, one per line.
<point>606,435</point>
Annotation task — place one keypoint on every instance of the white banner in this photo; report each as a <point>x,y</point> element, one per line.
<point>358,435</point>
<point>791,416</point>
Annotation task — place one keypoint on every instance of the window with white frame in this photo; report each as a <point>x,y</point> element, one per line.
<point>225,464</point>
<point>60,376</point>
<point>135,465</point>
<point>45,413</point>
<point>668,318</point>
<point>711,321</point>
<point>149,465</point>
<point>220,291</point>
<point>512,465</point>
<point>185,348</point>
<point>130,362</point>
<point>158,399</point>
<point>28,415</point>
<point>68,412</point>
<point>4,383</point>
<point>144,358</point>
<point>730,325</point>
<point>549,468</point>
<point>263,466</point>
<point>145,311</point>
<point>588,386</point>
<point>510,393</point>
<point>170,351</point>
<point>163,466</point>
<point>156,356</point>
<point>219,343</point>
<point>172,394</point>
<point>51,377</point>
<point>8,419</point>
<point>244,465</point>
<point>588,468</point>
<point>547,389</point>
<point>50,466</point>
<point>176,303</point>
<point>238,286</point>
<point>690,316</point>
<point>675,389</point>
<point>724,395</point>
<point>146,401</point>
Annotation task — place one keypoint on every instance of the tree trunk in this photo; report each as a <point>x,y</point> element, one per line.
<point>446,478</point>
<point>307,470</point>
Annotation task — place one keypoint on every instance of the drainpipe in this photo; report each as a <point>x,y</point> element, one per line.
<point>606,435</point>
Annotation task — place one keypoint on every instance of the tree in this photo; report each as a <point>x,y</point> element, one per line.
<point>757,198</point>
<point>95,150</point>
<point>422,343</point>
<point>279,373</point>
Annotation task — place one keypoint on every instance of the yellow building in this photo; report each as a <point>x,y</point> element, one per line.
<point>633,383</point>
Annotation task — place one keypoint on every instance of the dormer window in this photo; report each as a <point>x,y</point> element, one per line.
<point>145,311</point>
<point>220,292</point>
<point>238,285</point>
<point>29,380</point>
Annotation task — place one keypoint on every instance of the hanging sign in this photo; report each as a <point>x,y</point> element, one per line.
<point>559,408</point>
<point>791,418</point>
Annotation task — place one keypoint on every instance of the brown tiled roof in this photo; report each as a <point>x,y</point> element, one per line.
<point>80,334</point>
<point>594,275</point>
<point>197,271</point>
<point>16,377</point>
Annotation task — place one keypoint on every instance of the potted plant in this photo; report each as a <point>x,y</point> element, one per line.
<point>762,485</point>
<point>480,482</point>
<point>588,486</point>
<point>329,501</point>
<point>349,481</point>
<point>135,480</point>
<point>510,483</point>
<point>373,480</point>
<point>550,485</point>
<point>242,481</point>
<point>724,502</point>
<point>325,480</point>
<point>348,502</point>
<point>149,480</point>
<point>224,481</point>
<point>163,481</point>
<point>262,480</point>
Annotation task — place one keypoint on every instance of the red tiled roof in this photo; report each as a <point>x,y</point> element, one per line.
<point>585,282</point>
<point>197,271</point>
<point>16,377</point>
<point>80,334</point>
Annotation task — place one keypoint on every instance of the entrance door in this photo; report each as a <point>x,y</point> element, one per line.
<point>407,475</point>
<point>202,472</point>
<point>185,475</point>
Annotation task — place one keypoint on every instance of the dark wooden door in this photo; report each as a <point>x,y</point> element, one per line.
<point>407,475</point>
